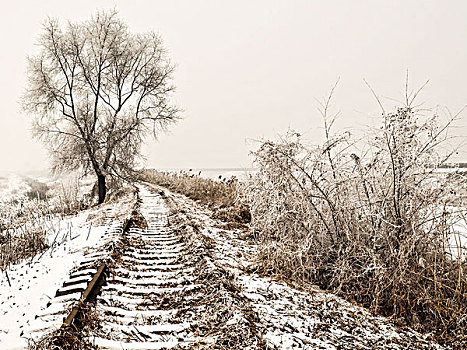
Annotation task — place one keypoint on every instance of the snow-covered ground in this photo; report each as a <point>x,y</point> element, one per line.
<point>35,281</point>
<point>31,285</point>
<point>191,281</point>
<point>11,187</point>
<point>291,318</point>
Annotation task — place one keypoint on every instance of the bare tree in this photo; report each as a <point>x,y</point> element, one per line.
<point>95,91</point>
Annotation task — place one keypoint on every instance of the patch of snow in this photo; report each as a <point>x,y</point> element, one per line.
<point>35,281</point>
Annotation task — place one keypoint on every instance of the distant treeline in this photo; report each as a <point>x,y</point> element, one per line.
<point>453,165</point>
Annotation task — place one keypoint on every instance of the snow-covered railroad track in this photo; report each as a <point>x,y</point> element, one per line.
<point>155,266</point>
<point>57,310</point>
<point>137,306</point>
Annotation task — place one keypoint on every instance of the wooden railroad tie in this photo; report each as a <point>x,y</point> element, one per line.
<point>89,293</point>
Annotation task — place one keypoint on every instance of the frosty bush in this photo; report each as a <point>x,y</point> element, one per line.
<point>370,222</point>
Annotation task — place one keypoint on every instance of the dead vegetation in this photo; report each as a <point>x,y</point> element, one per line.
<point>219,313</point>
<point>71,338</point>
<point>26,244</point>
<point>38,190</point>
<point>222,197</point>
<point>26,218</point>
<point>369,221</point>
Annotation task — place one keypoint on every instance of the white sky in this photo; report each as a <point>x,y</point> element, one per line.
<point>251,69</point>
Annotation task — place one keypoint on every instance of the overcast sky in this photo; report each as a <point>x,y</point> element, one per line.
<point>252,69</point>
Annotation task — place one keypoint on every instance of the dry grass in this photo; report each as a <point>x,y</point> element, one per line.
<point>71,338</point>
<point>222,197</point>
<point>370,223</point>
<point>13,249</point>
<point>24,220</point>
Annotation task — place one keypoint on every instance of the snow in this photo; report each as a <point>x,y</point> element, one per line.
<point>113,344</point>
<point>12,186</point>
<point>29,304</point>
<point>297,318</point>
<point>287,317</point>
<point>151,290</point>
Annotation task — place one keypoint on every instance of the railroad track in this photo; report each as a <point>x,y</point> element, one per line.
<point>162,288</point>
<point>183,285</point>
<point>78,288</point>
<point>155,266</point>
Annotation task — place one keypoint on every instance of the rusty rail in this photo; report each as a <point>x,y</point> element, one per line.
<point>88,293</point>
<point>93,286</point>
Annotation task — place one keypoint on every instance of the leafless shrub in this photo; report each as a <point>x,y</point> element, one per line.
<point>372,225</point>
<point>69,198</point>
<point>38,189</point>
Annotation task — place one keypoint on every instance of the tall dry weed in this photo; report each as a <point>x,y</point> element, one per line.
<point>371,222</point>
<point>26,219</point>
<point>220,196</point>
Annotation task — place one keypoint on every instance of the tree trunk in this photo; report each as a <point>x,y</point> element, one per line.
<point>102,190</point>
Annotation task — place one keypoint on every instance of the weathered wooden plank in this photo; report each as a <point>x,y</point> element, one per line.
<point>87,294</point>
